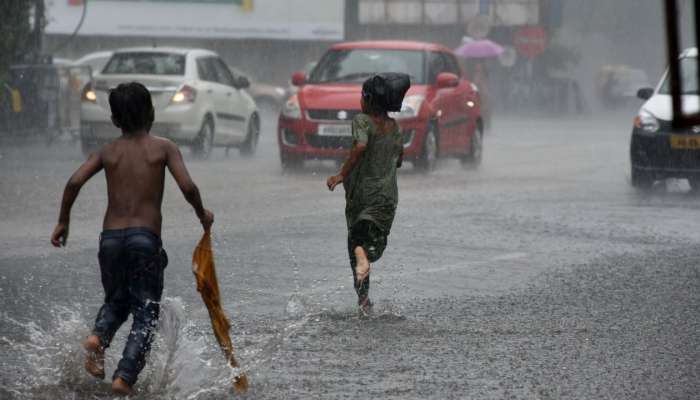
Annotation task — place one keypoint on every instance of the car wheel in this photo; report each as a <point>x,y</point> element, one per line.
<point>204,143</point>
<point>429,154</point>
<point>252,137</point>
<point>476,150</point>
<point>641,179</point>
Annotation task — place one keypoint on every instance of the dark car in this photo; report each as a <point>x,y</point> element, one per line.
<point>440,116</point>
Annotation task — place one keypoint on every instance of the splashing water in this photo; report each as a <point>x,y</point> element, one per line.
<point>47,363</point>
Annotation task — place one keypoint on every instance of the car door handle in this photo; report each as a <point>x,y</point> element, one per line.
<point>210,91</point>
<point>229,94</point>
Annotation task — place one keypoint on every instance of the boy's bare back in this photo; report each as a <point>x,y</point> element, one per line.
<point>134,166</point>
<point>135,172</point>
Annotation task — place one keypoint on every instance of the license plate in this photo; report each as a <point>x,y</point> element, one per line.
<point>685,142</point>
<point>335,130</point>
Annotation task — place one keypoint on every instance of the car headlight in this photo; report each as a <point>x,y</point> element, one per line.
<point>410,108</point>
<point>291,108</point>
<point>647,122</point>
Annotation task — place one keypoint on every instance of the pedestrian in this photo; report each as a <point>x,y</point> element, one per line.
<point>131,256</point>
<point>369,177</point>
<point>480,77</point>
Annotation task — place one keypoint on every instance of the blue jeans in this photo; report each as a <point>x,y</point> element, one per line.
<point>132,262</point>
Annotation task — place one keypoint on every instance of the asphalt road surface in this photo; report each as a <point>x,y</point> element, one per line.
<point>542,275</point>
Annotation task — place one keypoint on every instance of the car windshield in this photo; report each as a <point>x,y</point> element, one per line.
<point>689,75</point>
<point>146,63</point>
<point>358,64</point>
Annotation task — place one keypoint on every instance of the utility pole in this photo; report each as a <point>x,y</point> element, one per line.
<point>352,22</point>
<point>38,30</point>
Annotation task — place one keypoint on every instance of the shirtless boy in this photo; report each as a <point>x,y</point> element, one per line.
<point>131,255</point>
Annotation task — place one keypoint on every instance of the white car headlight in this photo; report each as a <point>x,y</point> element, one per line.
<point>647,122</point>
<point>410,108</point>
<point>291,108</point>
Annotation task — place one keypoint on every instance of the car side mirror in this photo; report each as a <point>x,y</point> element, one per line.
<point>645,93</point>
<point>242,82</point>
<point>298,78</point>
<point>447,80</point>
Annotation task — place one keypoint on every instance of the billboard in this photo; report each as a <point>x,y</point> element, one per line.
<point>237,19</point>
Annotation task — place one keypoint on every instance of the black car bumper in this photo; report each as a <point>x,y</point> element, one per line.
<point>653,154</point>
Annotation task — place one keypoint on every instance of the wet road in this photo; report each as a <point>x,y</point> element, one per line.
<point>542,275</point>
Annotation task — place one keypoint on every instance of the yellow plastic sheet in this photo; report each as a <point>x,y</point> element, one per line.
<point>208,287</point>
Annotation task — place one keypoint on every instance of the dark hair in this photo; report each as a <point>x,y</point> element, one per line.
<point>371,98</point>
<point>132,107</point>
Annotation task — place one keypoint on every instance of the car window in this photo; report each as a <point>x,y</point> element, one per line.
<point>146,63</point>
<point>223,74</point>
<point>356,65</point>
<point>451,65</point>
<point>437,64</point>
<point>689,75</point>
<point>205,69</point>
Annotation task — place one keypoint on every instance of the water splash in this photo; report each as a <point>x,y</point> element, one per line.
<point>47,362</point>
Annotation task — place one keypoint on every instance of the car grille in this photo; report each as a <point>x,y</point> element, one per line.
<point>329,142</point>
<point>655,150</point>
<point>331,115</point>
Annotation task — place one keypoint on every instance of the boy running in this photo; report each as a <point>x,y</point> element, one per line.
<point>131,255</point>
<point>369,178</point>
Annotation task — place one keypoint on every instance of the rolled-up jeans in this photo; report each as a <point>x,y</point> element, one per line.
<point>132,262</point>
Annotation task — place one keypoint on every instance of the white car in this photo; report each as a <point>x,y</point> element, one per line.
<point>657,150</point>
<point>197,100</point>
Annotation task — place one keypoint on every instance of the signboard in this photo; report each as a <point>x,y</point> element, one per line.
<point>531,41</point>
<point>259,19</point>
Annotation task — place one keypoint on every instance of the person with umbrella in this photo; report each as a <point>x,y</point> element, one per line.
<point>369,176</point>
<point>476,52</point>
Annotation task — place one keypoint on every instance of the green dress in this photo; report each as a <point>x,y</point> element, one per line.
<point>371,190</point>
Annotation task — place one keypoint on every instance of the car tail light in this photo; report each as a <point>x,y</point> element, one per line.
<point>89,94</point>
<point>186,94</point>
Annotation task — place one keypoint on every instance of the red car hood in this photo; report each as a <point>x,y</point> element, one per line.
<point>338,97</point>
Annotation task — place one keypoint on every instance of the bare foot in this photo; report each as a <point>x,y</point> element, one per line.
<point>94,357</point>
<point>365,306</point>
<point>362,268</point>
<point>121,388</point>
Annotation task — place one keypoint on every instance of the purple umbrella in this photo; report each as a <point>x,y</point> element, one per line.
<point>483,48</point>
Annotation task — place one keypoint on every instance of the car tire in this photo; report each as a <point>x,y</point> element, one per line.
<point>476,150</point>
<point>641,179</point>
<point>204,144</point>
<point>430,152</point>
<point>250,145</point>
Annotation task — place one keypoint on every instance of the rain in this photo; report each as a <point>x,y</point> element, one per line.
<point>544,243</point>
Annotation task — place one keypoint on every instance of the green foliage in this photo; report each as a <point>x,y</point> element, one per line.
<point>15,33</point>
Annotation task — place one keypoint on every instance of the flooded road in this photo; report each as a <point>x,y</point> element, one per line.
<point>542,275</point>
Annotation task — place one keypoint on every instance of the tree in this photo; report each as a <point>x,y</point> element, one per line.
<point>16,36</point>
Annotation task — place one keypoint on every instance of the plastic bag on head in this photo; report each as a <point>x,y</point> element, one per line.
<point>387,89</point>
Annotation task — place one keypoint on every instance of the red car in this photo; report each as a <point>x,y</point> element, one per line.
<point>440,116</point>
